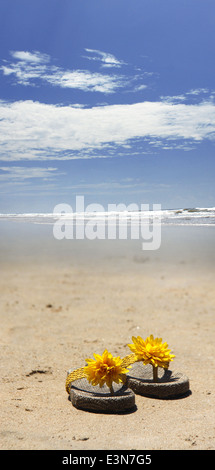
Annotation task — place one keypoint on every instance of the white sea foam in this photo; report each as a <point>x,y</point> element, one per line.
<point>198,216</point>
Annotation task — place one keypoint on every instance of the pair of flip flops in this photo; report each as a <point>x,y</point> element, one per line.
<point>109,384</point>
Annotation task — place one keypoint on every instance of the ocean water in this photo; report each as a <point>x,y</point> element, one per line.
<point>188,216</point>
<point>187,238</point>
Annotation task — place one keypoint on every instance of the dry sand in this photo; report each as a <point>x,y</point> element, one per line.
<point>55,315</point>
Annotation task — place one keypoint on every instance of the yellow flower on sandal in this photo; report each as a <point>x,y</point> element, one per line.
<point>152,351</point>
<point>105,369</point>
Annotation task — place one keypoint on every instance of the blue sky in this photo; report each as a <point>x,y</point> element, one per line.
<point>110,99</point>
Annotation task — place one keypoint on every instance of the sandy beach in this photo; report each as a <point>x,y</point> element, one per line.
<point>59,306</point>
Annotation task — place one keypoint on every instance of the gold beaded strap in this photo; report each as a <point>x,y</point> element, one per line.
<point>128,360</point>
<point>75,375</point>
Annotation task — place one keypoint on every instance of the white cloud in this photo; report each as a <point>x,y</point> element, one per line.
<point>83,80</point>
<point>35,68</point>
<point>32,57</point>
<point>31,130</point>
<point>174,99</point>
<point>18,173</point>
<point>106,59</point>
<point>197,91</point>
<point>139,88</point>
<point>193,96</point>
<point>29,68</point>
